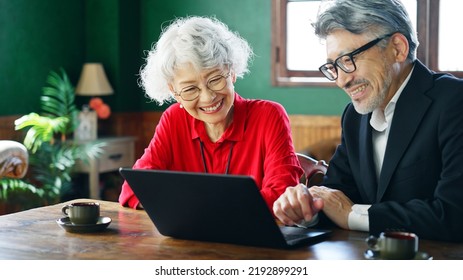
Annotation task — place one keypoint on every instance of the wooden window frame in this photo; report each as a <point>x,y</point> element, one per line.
<point>281,75</point>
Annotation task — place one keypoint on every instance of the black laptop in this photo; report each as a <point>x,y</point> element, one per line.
<point>213,208</point>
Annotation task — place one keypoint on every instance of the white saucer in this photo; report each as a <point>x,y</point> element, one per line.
<point>373,255</point>
<point>65,223</point>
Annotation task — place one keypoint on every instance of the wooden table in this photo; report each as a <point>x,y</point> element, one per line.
<point>34,234</point>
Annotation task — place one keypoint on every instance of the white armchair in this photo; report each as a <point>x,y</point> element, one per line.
<point>14,159</point>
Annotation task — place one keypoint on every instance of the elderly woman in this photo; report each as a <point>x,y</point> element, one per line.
<point>211,128</point>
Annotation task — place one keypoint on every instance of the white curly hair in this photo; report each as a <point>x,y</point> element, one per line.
<point>203,42</point>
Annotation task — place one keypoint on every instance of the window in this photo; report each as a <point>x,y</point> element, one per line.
<point>297,52</point>
<point>448,51</point>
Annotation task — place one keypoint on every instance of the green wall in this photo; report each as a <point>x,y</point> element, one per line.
<point>36,37</point>
<point>113,38</point>
<point>39,36</point>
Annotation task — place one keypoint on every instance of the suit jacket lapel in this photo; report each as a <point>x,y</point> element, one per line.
<point>409,111</point>
<point>367,166</point>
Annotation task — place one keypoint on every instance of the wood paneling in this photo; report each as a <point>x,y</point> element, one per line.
<point>7,131</point>
<point>307,130</point>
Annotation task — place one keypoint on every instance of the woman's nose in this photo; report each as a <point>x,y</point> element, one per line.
<point>207,95</point>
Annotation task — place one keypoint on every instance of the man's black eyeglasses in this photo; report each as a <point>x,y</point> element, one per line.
<point>346,62</point>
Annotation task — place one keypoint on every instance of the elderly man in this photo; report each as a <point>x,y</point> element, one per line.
<point>400,162</point>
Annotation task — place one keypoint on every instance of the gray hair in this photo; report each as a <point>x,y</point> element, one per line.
<point>374,18</point>
<point>203,42</point>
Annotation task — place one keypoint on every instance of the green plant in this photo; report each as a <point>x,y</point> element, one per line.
<point>52,155</point>
<point>59,114</point>
<point>21,194</point>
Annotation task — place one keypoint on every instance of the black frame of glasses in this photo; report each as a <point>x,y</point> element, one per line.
<point>351,55</point>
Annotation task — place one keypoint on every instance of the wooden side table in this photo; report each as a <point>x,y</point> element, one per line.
<point>117,152</point>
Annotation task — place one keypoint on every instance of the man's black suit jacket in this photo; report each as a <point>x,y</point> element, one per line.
<point>420,188</point>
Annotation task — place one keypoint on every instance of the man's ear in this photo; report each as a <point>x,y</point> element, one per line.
<point>400,47</point>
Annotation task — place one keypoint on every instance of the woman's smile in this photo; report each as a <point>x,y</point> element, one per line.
<point>214,108</point>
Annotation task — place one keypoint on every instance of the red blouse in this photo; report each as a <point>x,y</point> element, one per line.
<point>258,143</point>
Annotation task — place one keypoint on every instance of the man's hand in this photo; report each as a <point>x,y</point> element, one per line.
<point>296,204</point>
<point>336,205</point>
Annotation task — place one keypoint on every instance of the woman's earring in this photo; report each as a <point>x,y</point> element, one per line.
<point>181,106</point>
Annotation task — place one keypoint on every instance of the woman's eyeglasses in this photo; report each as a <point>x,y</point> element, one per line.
<point>216,83</point>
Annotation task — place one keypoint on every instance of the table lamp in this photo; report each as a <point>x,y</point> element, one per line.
<point>93,82</point>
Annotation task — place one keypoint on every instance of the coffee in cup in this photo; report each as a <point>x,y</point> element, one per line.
<point>81,213</point>
<point>394,245</point>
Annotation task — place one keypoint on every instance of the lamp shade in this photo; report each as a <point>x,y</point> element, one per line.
<point>93,81</point>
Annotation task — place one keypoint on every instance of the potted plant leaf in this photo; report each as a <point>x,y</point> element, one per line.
<point>52,154</point>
